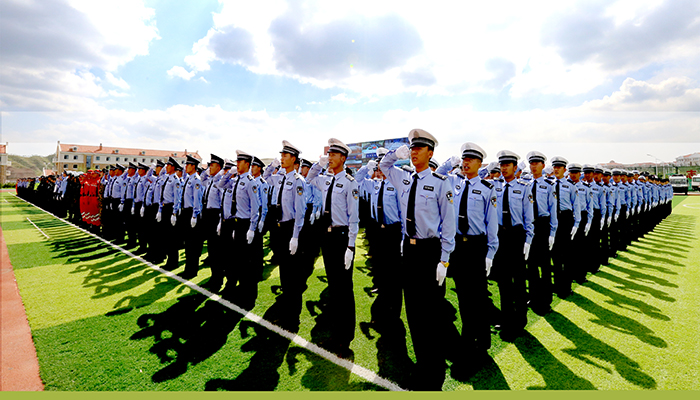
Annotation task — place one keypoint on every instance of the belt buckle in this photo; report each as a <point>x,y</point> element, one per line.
<point>383,226</point>
<point>412,241</point>
<point>464,238</point>
<point>279,224</point>
<point>330,229</point>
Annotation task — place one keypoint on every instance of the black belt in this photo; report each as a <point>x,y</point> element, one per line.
<point>338,229</point>
<point>415,241</point>
<point>466,238</point>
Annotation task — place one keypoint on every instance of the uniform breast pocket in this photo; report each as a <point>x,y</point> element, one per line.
<point>476,200</point>
<point>427,198</point>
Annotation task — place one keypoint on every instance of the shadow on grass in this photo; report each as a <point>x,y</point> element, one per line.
<point>187,333</point>
<point>617,322</point>
<point>593,351</point>
<point>641,277</point>
<point>627,303</point>
<point>630,286</point>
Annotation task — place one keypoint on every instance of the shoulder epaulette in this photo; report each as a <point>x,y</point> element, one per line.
<point>570,181</point>
<point>549,180</point>
<point>443,177</point>
<point>524,182</point>
<point>250,177</point>
<point>459,174</point>
<point>586,184</point>
<point>297,176</point>
<point>407,168</point>
<point>262,180</point>
<point>350,177</point>
<point>487,183</point>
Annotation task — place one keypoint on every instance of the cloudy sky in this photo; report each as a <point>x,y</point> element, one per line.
<point>592,81</point>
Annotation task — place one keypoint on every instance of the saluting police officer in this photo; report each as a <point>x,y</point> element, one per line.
<point>476,243</point>
<point>580,240</point>
<point>428,216</point>
<point>539,264</point>
<point>515,233</point>
<point>141,187</point>
<point>118,188</point>
<point>151,203</point>
<point>569,218</point>
<point>339,232</point>
<point>127,201</point>
<point>256,170</point>
<point>190,204</point>
<point>170,190</point>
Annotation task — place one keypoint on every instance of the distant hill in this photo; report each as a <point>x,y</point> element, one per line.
<point>35,164</point>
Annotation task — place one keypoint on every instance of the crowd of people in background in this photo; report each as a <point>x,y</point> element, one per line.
<point>531,226</point>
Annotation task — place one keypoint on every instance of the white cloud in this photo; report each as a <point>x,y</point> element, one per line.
<point>673,94</point>
<point>179,72</point>
<point>118,82</point>
<point>115,93</point>
<point>343,97</point>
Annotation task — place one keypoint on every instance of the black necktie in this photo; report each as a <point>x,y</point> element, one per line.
<point>463,217</point>
<point>329,203</point>
<point>411,209</point>
<point>380,205</point>
<point>506,208</point>
<point>558,199</point>
<point>279,195</point>
<point>162,190</point>
<point>534,197</point>
<point>233,198</point>
<point>206,194</point>
<point>182,200</point>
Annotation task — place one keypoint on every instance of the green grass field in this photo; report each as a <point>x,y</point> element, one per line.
<point>102,320</point>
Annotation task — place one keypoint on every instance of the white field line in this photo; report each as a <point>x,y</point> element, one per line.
<point>358,370</point>
<point>42,232</point>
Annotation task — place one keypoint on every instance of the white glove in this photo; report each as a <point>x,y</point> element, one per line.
<point>588,228</point>
<point>293,244</point>
<point>526,250</point>
<point>455,161</point>
<point>143,211</point>
<point>312,218</point>
<point>275,163</point>
<point>218,228</point>
<point>348,258</point>
<point>403,152</point>
<point>440,273</point>
<point>371,165</point>
<point>573,232</point>
<point>489,264</point>
<point>133,210</point>
<point>158,216</point>
<point>261,224</point>
<point>193,222</point>
<point>173,220</point>
<point>233,234</point>
<point>250,236</point>
<point>639,209</point>
<point>628,213</point>
<point>616,216</point>
<point>121,207</point>
<point>323,161</point>
<point>318,213</point>
<point>609,221</point>
<point>551,243</point>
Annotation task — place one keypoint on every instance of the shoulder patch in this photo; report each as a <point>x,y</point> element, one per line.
<point>355,194</point>
<point>487,183</point>
<point>440,176</point>
<point>300,190</point>
<point>450,197</point>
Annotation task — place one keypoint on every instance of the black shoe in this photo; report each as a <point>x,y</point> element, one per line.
<point>170,267</point>
<point>188,274</point>
<point>564,295</point>
<point>509,335</point>
<point>542,311</point>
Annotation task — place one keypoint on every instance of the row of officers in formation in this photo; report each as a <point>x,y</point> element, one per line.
<point>423,223</point>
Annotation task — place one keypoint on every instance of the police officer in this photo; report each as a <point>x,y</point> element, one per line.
<point>189,208</point>
<point>211,217</point>
<point>287,188</point>
<point>569,218</point>
<point>476,243</point>
<point>127,202</point>
<point>515,233</point>
<point>150,209</point>
<point>539,265</point>
<point>240,208</point>
<point>600,219</point>
<point>580,240</point>
<point>621,223</point>
<point>339,231</point>
<point>166,217</point>
<point>118,188</point>
<point>137,212</point>
<point>256,170</point>
<point>428,224</point>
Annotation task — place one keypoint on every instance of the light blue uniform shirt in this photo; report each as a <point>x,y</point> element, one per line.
<point>171,191</point>
<point>434,203</point>
<point>212,194</point>
<point>520,205</point>
<point>192,195</point>
<point>345,200</point>
<point>546,202</point>
<point>247,197</point>
<point>119,186</point>
<point>585,198</point>
<point>131,182</point>
<point>568,199</point>
<point>390,200</point>
<point>263,189</point>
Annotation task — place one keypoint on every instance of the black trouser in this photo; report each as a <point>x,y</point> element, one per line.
<point>593,250</point>
<point>561,265</point>
<point>387,271</point>
<point>539,266</point>
<point>340,286</point>
<point>118,221</point>
<point>193,240</point>
<point>242,272</point>
<point>167,237</point>
<point>138,228</point>
<point>605,242</point>
<point>468,268</point>
<point>294,272</point>
<point>622,229</point>
<point>509,266</point>
<point>129,220</point>
<point>210,220</point>
<point>424,311</point>
<point>580,240</point>
<point>150,233</point>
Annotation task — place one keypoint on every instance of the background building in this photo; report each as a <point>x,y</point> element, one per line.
<point>77,157</point>
<point>4,163</point>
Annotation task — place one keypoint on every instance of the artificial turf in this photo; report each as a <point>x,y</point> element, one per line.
<point>102,320</point>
